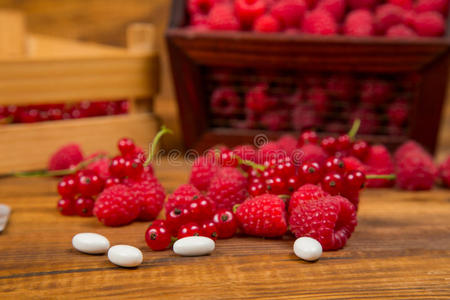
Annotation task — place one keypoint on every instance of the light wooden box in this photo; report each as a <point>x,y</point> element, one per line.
<point>37,69</point>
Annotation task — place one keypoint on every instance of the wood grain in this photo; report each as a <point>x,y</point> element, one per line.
<point>401,249</point>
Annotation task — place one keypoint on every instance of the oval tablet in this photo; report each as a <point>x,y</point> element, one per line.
<point>125,256</point>
<point>307,248</point>
<point>194,246</point>
<point>91,243</point>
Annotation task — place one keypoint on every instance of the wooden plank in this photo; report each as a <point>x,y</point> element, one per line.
<point>28,146</point>
<point>401,250</point>
<point>12,33</point>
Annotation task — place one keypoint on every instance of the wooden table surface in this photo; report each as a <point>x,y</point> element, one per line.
<point>400,249</point>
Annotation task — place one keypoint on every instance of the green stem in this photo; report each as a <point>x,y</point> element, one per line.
<point>354,130</point>
<point>155,143</point>
<point>382,176</point>
<point>250,163</point>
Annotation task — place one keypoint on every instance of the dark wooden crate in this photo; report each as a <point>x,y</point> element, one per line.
<point>192,51</point>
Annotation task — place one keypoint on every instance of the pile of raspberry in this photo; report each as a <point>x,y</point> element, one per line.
<point>326,102</point>
<point>359,18</point>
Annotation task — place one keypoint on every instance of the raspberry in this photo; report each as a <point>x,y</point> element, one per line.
<point>398,111</point>
<point>262,216</point>
<point>400,31</point>
<point>319,22</point>
<point>330,220</point>
<point>225,101</point>
<point>203,170</point>
<point>409,146</point>
<point>311,3</point>
<point>198,22</point>
<point>341,86</point>
<point>258,100</point>
<point>269,151</point>
<point>365,4</point>
<point>275,120</point>
<point>305,193</point>
<point>288,143</point>
<point>388,15</point>
<point>353,164</point>
<point>248,11</point>
<point>150,196</point>
<point>289,12</point>
<point>406,4</point>
<point>379,161</point>
<point>267,23</point>
<point>359,22</point>
<point>181,197</point>
<point>66,157</point>
<point>304,116</point>
<point>317,96</point>
<point>432,5</point>
<point>313,153</point>
<point>200,7</point>
<point>375,91</point>
<point>101,167</point>
<point>335,7</point>
<point>116,206</point>
<point>294,99</point>
<point>429,24</point>
<point>369,120</point>
<point>221,17</point>
<point>246,152</point>
<point>444,172</point>
<point>227,188</point>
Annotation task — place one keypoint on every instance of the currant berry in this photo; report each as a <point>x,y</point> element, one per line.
<point>209,229</point>
<point>354,180</point>
<point>332,183</point>
<point>293,183</point>
<point>201,209</point>
<point>308,137</point>
<point>334,164</point>
<point>175,218</point>
<point>159,223</point>
<point>228,159</point>
<point>343,142</point>
<point>189,229</point>
<point>310,172</point>
<point>90,184</point>
<point>276,186</point>
<point>328,144</point>
<point>256,189</point>
<point>68,186</point>
<point>84,206</point>
<point>126,146</point>
<point>157,237</point>
<point>66,207</point>
<point>285,168</point>
<point>117,167</point>
<point>133,168</point>
<point>226,224</point>
<point>110,181</point>
<point>360,149</point>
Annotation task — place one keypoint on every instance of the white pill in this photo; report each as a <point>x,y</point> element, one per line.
<point>307,248</point>
<point>125,256</point>
<point>194,246</point>
<point>91,243</point>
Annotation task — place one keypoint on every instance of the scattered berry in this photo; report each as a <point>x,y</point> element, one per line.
<point>319,22</point>
<point>226,223</point>
<point>66,157</point>
<point>157,237</point>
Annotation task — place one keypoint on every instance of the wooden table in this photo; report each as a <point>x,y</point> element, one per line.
<point>400,249</point>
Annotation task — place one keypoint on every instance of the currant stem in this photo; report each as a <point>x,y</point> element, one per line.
<point>155,143</point>
<point>382,176</point>
<point>354,130</point>
<point>250,163</point>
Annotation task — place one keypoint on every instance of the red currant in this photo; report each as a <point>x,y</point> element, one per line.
<point>66,207</point>
<point>159,223</point>
<point>133,168</point>
<point>355,180</point>
<point>308,137</point>
<point>209,229</point>
<point>285,168</point>
<point>334,164</point>
<point>189,229</point>
<point>310,172</point>
<point>126,146</point>
<point>343,142</point>
<point>175,218</point>
<point>226,223</point>
<point>201,209</point>
<point>84,206</point>
<point>109,182</point>
<point>256,189</point>
<point>293,183</point>
<point>276,186</point>
<point>90,184</point>
<point>157,237</point>
<point>254,173</point>
<point>360,149</point>
<point>228,159</point>
<point>68,186</point>
<point>332,183</point>
<point>117,167</point>
<point>328,144</point>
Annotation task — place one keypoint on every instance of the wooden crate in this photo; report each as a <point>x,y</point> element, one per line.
<point>36,69</point>
<point>193,52</point>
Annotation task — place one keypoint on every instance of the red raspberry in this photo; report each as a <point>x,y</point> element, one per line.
<point>432,5</point>
<point>398,111</point>
<point>263,215</point>
<point>200,7</point>
<point>400,31</point>
<point>258,100</point>
<point>289,12</point>
<point>375,91</point>
<point>353,164</point>
<point>116,206</point>
<point>444,172</point>
<point>305,193</point>
<point>66,157</point>
<point>335,7</point>
<point>181,197</point>
<point>101,167</point>
<point>341,86</point>
<point>275,120</point>
<point>198,22</point>
<point>359,22</point>
<point>266,23</point>
<point>150,196</point>
<point>248,11</point>
<point>304,116</point>
<point>330,220</point>
<point>288,143</point>
<point>366,4</point>
<point>227,188</point>
<point>379,161</point>
<point>405,148</point>
<point>246,152</point>
<point>269,151</point>
<point>203,170</point>
<point>318,97</point>
<point>311,3</point>
<point>319,22</point>
<point>406,4</point>
<point>221,17</point>
<point>388,15</point>
<point>225,101</point>
<point>313,152</point>
<point>429,24</point>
